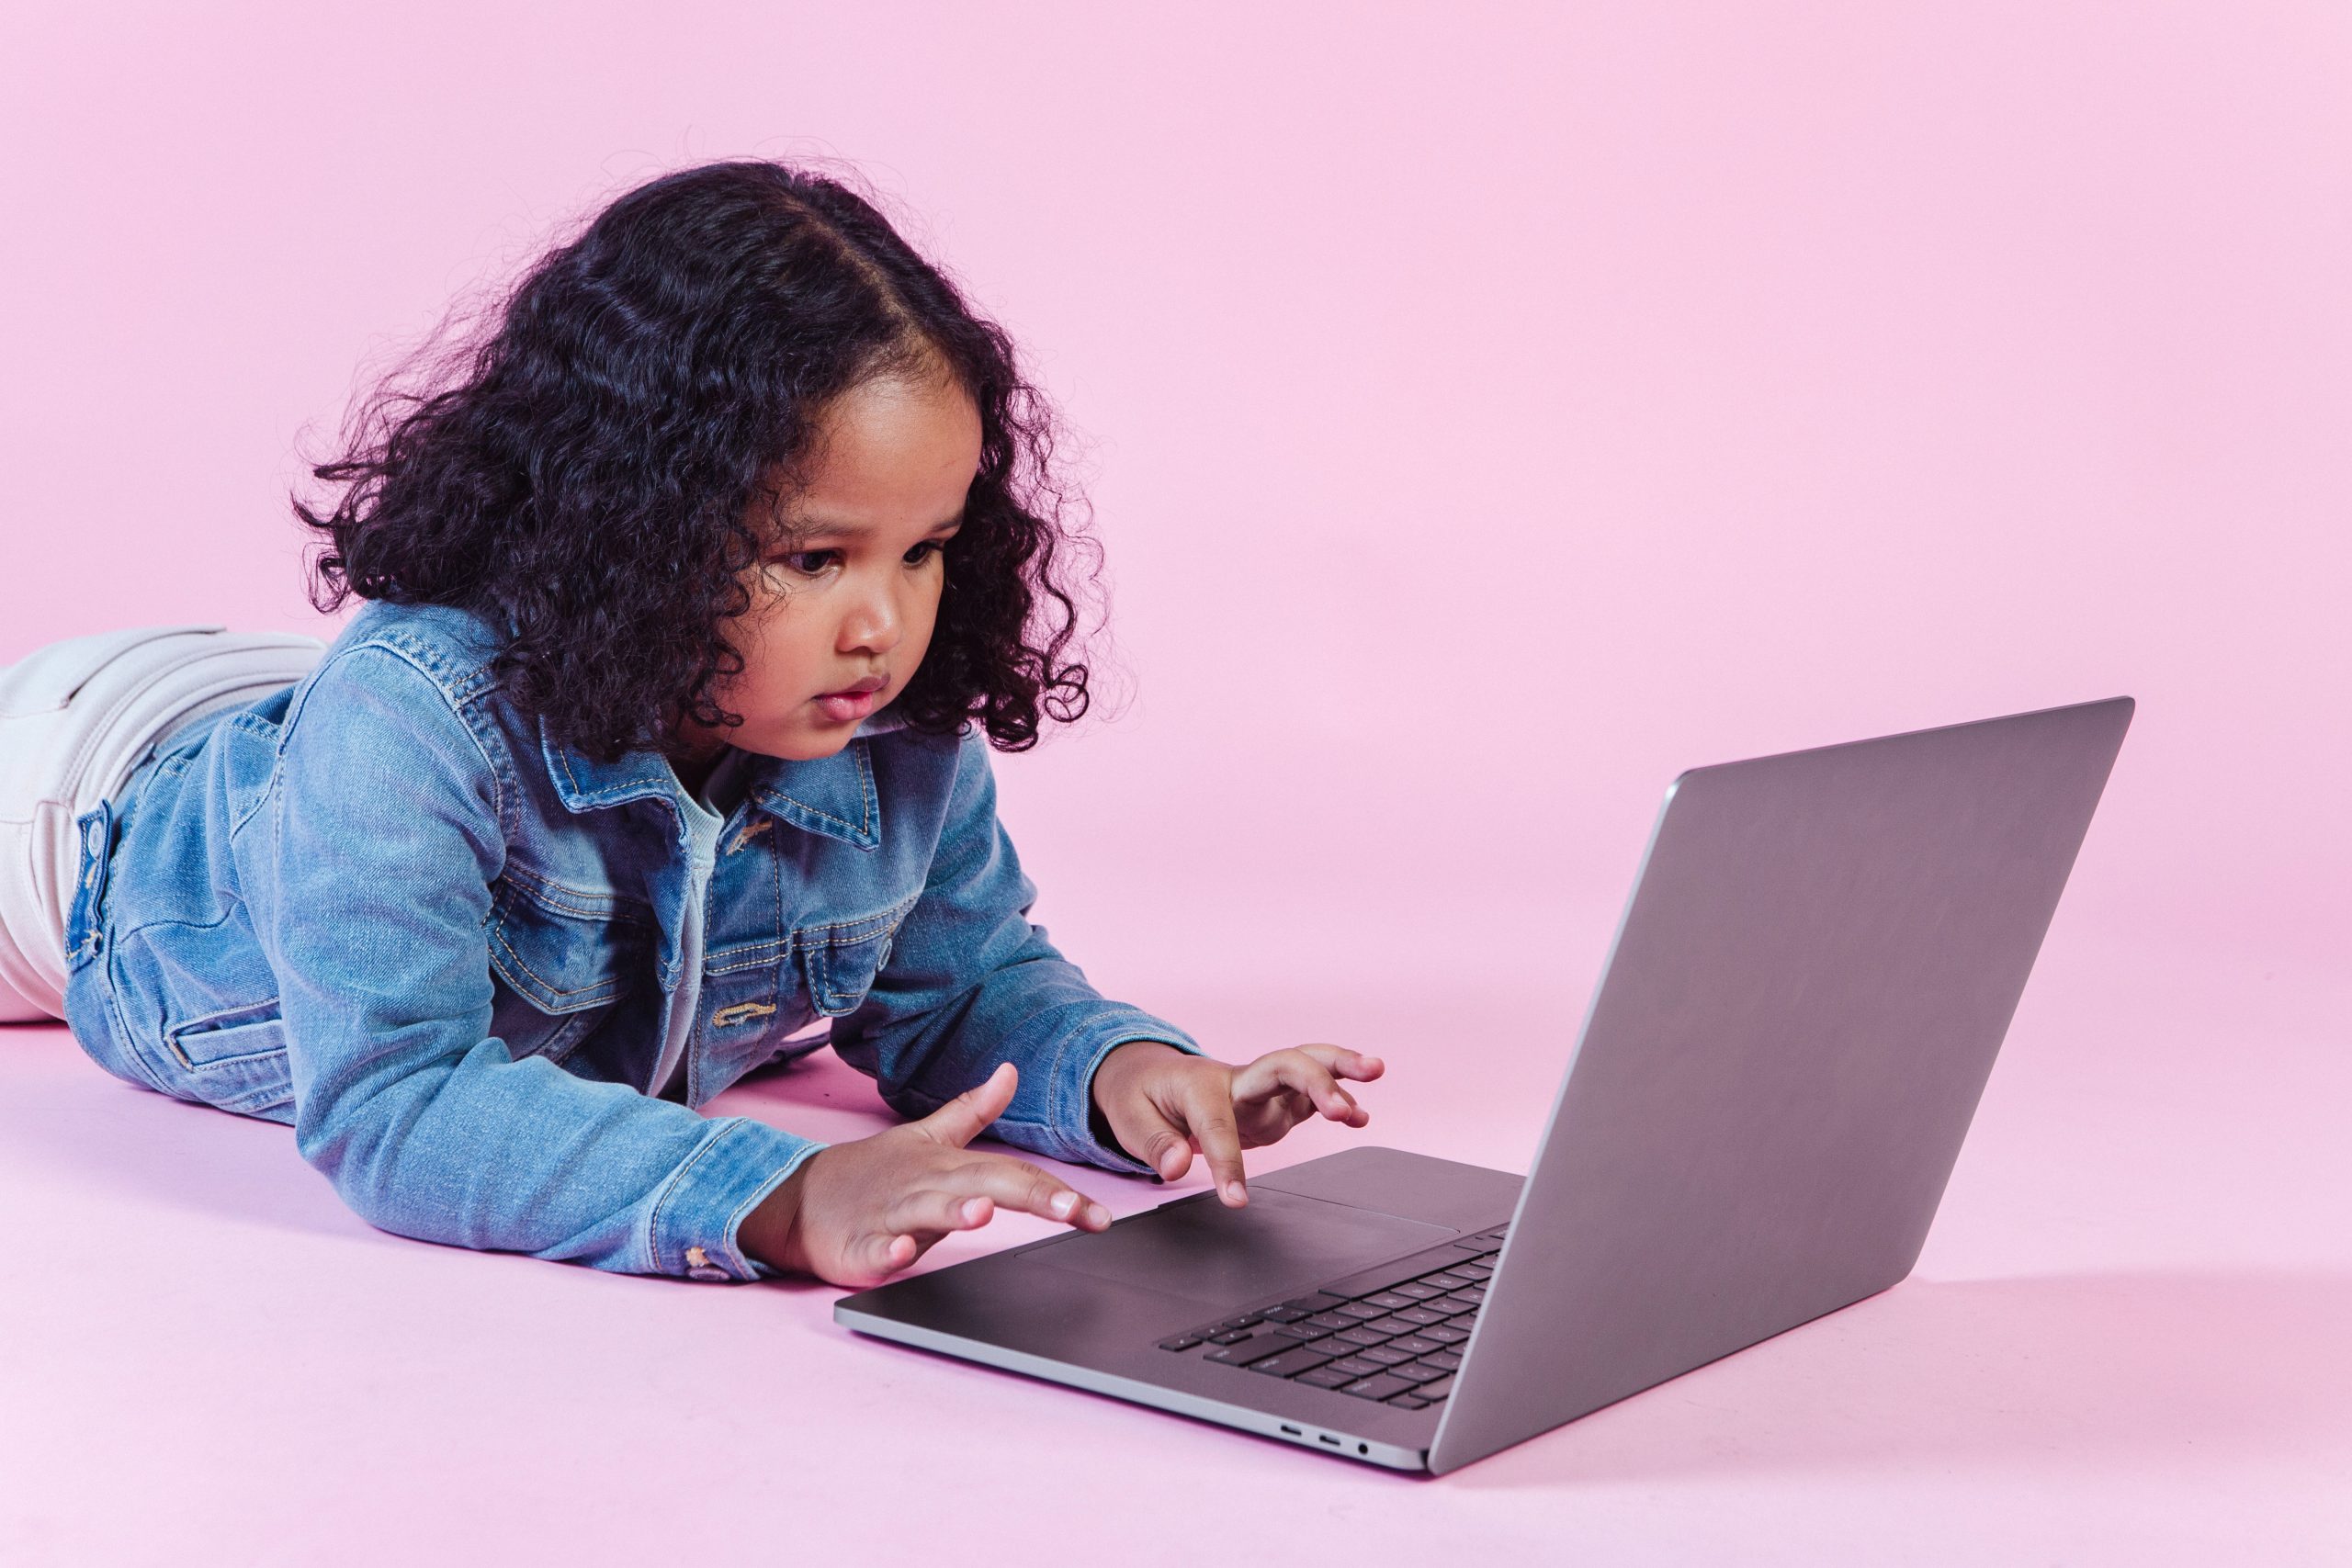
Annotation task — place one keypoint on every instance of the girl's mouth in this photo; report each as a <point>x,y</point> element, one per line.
<point>853,703</point>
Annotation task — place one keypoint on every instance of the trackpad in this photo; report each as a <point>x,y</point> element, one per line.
<point>1198,1248</point>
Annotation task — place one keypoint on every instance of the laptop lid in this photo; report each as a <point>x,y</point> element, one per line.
<point>1821,955</point>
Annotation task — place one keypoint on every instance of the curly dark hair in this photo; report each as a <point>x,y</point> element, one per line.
<point>583,469</point>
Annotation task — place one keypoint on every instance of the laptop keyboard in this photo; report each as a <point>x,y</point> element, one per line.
<point>1393,1333</point>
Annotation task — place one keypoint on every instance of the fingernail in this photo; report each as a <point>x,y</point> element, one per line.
<point>1062,1204</point>
<point>1233,1194</point>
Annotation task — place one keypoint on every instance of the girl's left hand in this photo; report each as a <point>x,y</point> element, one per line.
<point>1162,1104</point>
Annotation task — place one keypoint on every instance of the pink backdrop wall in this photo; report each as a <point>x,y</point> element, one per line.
<point>1490,410</point>
<point>1493,412</point>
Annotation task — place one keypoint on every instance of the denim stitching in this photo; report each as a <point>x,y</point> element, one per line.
<point>865,791</point>
<point>500,944</point>
<point>769,954</point>
<point>670,1193</point>
<point>418,658</point>
<point>543,891</point>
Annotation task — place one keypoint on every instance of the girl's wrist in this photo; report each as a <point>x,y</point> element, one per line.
<point>771,1231</point>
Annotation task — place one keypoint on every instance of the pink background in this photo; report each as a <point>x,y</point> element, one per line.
<point>1490,410</point>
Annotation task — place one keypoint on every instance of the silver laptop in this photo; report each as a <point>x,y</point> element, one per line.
<point>1822,953</point>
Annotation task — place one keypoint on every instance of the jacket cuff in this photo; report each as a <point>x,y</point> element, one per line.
<point>1074,1085</point>
<point>698,1222</point>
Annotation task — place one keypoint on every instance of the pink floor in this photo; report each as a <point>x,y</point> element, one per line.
<point>2130,1341</point>
<point>1488,410</point>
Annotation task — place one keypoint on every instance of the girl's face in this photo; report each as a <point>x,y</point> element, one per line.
<point>843,601</point>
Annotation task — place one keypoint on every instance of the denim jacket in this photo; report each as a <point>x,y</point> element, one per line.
<point>383,906</point>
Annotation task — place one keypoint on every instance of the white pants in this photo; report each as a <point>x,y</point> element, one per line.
<point>76,720</point>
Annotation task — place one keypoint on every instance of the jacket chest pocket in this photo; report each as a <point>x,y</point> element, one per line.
<point>839,961</point>
<point>564,951</point>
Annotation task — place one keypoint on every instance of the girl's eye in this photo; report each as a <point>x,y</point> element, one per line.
<point>810,563</point>
<point>924,551</point>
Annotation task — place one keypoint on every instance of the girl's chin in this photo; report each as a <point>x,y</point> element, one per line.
<point>797,742</point>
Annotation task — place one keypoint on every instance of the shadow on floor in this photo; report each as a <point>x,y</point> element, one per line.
<point>2161,1371</point>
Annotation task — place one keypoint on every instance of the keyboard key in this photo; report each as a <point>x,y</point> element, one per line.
<point>1328,1320</point>
<point>1377,1387</point>
<point>1317,1302</point>
<point>1474,1271</point>
<point>1385,1355</point>
<point>1364,1336</point>
<point>1387,1274</point>
<point>1413,1369</point>
<point>1444,1280</point>
<point>1332,1344</point>
<point>1421,1316</point>
<point>1358,1311</point>
<point>1436,1389</point>
<point>1417,1291</point>
<point>1446,1306</point>
<point>1388,1301</point>
<point>1444,1360</point>
<point>1446,1333</point>
<point>1242,1352</point>
<point>1244,1321</point>
<point>1356,1369</point>
<point>1182,1342</point>
<point>1230,1336</point>
<point>1469,1295</point>
<point>1290,1363</point>
<point>1294,1331</point>
<point>1419,1344</point>
<point>1326,1377</point>
<point>1282,1314</point>
<point>1406,1402</point>
<point>1393,1324</point>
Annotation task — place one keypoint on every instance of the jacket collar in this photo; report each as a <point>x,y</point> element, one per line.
<point>833,796</point>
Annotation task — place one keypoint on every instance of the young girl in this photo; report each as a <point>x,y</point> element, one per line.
<point>695,601</point>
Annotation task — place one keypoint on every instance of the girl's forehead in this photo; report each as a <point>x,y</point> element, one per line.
<point>889,445</point>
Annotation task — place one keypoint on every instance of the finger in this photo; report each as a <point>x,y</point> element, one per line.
<point>935,1211</point>
<point>1344,1063</point>
<point>885,1254</point>
<point>1159,1142</point>
<point>1016,1184</point>
<point>1208,1113</point>
<point>1298,1071</point>
<point>961,1119</point>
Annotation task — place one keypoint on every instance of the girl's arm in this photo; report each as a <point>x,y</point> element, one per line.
<point>385,833</point>
<point>970,983</point>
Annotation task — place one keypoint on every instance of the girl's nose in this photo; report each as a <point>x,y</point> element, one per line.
<point>873,627</point>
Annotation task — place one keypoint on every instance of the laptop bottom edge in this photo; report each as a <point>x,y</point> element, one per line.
<point>1364,1451</point>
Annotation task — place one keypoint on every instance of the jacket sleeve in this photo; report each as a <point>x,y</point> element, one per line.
<point>969,983</point>
<point>387,832</point>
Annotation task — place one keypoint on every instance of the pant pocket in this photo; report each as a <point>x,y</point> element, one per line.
<point>234,1060</point>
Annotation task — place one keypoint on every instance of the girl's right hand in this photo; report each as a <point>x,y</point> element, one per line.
<point>855,1213</point>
